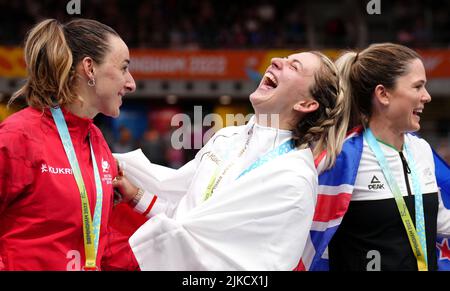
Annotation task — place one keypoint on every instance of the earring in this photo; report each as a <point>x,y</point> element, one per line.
<point>91,82</point>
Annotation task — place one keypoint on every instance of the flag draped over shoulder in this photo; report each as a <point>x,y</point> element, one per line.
<point>335,189</point>
<point>443,179</point>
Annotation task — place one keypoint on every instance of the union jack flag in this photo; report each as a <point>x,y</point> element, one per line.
<point>335,189</point>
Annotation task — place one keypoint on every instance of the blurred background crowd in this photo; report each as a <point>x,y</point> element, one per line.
<point>245,24</point>
<point>192,25</point>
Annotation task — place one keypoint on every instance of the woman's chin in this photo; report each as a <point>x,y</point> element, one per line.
<point>258,98</point>
<point>415,128</point>
<point>112,113</point>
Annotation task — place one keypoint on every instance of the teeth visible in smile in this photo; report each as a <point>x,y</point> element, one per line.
<point>272,78</point>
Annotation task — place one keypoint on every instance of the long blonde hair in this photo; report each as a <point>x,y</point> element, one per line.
<point>325,128</point>
<point>52,51</point>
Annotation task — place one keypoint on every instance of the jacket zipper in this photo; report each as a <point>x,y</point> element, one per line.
<point>406,171</point>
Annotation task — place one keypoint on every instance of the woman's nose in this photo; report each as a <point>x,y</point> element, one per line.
<point>277,62</point>
<point>130,85</point>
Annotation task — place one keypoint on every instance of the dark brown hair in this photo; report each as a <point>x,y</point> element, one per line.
<point>361,73</point>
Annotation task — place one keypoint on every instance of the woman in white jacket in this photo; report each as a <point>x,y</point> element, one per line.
<point>246,202</point>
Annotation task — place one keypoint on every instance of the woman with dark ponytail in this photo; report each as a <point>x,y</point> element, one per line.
<point>385,194</point>
<point>246,201</point>
<point>56,170</point>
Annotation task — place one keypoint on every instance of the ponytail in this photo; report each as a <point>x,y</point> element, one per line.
<point>360,73</point>
<point>49,60</point>
<point>352,118</point>
<point>52,52</point>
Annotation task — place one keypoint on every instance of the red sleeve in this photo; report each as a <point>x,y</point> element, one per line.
<point>16,166</point>
<point>118,254</point>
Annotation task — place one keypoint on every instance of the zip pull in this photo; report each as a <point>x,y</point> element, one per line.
<point>405,163</point>
<point>406,171</point>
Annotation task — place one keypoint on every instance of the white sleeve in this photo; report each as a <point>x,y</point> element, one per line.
<point>151,205</point>
<point>443,219</point>
<point>260,222</point>
<point>163,187</point>
<point>169,185</point>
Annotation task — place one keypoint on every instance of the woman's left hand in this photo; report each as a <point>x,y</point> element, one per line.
<point>125,187</point>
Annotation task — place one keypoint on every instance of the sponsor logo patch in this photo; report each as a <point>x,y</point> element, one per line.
<point>375,184</point>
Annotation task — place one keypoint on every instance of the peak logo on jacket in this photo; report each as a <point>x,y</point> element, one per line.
<point>375,184</point>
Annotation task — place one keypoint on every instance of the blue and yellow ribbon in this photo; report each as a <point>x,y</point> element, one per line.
<point>417,238</point>
<point>91,228</point>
